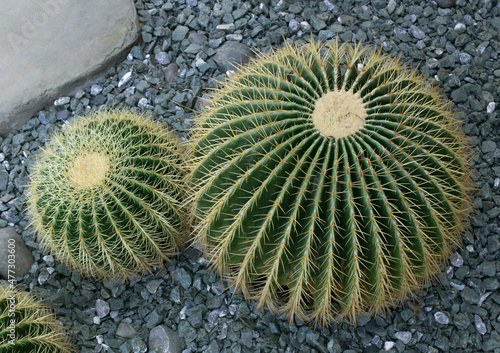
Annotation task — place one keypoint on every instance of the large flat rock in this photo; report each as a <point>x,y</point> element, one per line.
<point>50,48</point>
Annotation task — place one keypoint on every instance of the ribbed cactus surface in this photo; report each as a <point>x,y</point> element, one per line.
<point>330,181</point>
<point>105,195</point>
<point>27,326</point>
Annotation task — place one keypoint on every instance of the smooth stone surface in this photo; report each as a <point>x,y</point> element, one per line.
<point>445,3</point>
<point>125,330</point>
<point>22,260</point>
<point>171,72</point>
<point>231,55</point>
<point>164,340</point>
<point>52,48</point>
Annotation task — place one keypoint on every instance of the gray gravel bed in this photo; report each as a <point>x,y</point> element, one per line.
<point>167,73</point>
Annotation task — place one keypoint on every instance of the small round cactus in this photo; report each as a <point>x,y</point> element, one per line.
<point>329,181</point>
<point>105,195</point>
<point>27,326</point>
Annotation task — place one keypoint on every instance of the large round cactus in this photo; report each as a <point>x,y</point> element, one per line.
<point>105,195</point>
<point>27,326</point>
<point>330,181</point>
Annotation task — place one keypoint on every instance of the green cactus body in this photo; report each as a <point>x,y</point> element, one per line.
<point>329,181</point>
<point>105,195</point>
<point>27,326</point>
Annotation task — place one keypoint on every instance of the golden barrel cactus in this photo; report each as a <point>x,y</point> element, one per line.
<point>105,195</point>
<point>329,181</point>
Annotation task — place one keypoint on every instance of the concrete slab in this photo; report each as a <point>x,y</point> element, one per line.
<point>51,48</point>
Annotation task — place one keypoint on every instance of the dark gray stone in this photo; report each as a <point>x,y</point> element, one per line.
<point>459,95</point>
<point>153,319</point>
<point>232,54</point>
<point>179,33</point>
<point>246,337</point>
<point>152,286</point>
<point>488,146</point>
<point>164,340</point>
<point>195,316</point>
<point>197,38</point>
<point>125,330</point>
<point>4,178</point>
<point>186,331</point>
<point>444,4</point>
<point>183,278</point>
<point>492,343</point>
<point>488,268</point>
<point>470,296</point>
<point>138,346</point>
<point>11,243</point>
<point>213,347</point>
<point>109,28</point>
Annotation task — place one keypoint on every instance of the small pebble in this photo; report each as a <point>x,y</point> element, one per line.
<point>457,260</point>
<point>125,78</point>
<point>102,308</point>
<point>162,58</point>
<point>95,89</point>
<point>441,318</point>
<point>480,326</point>
<point>153,285</point>
<point>403,336</point>
<point>61,101</point>
<point>388,345</point>
<point>444,4</point>
<point>171,72</point>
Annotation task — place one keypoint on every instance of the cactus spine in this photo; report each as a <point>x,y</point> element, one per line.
<point>105,195</point>
<point>329,181</point>
<point>27,326</point>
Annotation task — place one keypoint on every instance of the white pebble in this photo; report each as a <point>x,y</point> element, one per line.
<point>496,184</point>
<point>403,336</point>
<point>125,78</point>
<point>62,101</point>
<point>388,345</point>
<point>143,102</point>
<point>457,260</point>
<point>95,89</point>
<point>441,318</point>
<point>491,107</point>
<point>102,308</point>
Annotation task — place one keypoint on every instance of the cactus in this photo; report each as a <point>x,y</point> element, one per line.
<point>28,326</point>
<point>329,181</point>
<point>105,195</point>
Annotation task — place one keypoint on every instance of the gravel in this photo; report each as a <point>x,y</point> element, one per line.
<point>165,75</point>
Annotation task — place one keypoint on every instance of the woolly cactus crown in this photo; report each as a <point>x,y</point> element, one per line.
<point>105,195</point>
<point>329,181</point>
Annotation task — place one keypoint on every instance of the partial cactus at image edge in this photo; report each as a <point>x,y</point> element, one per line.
<point>329,181</point>
<point>34,328</point>
<point>105,195</point>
